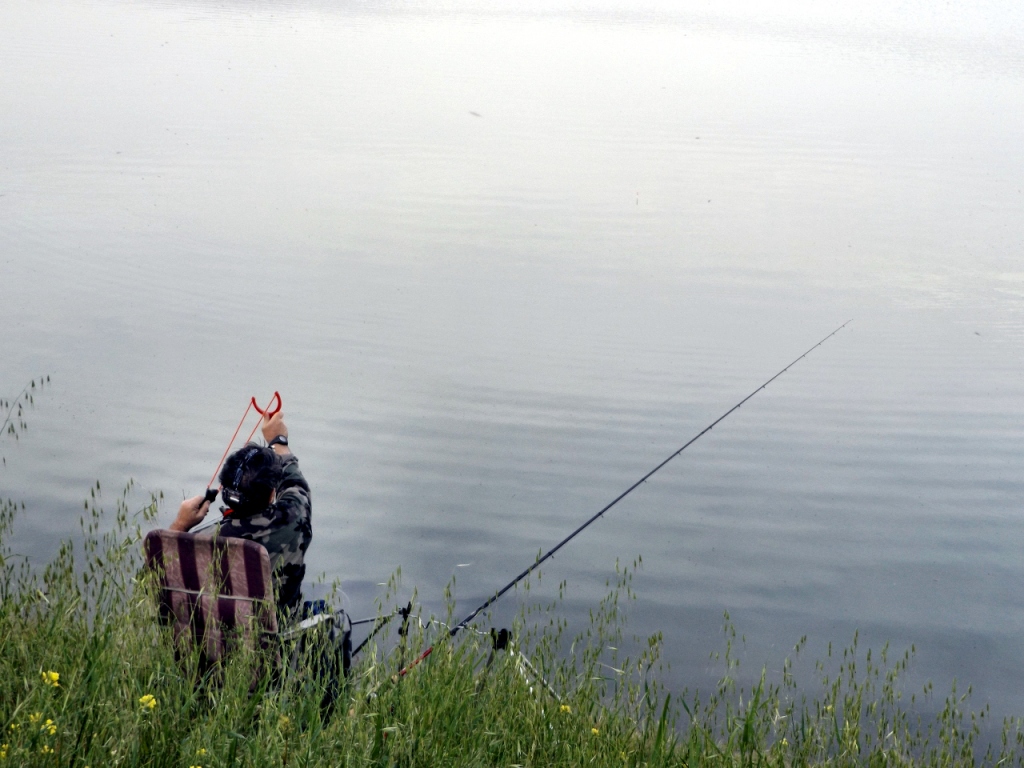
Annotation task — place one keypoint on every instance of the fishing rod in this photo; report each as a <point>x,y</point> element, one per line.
<point>551,552</point>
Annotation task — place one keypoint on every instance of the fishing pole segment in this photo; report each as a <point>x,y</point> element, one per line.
<point>500,640</point>
<point>551,552</point>
<point>381,622</point>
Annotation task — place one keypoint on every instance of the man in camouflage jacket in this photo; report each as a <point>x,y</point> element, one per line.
<point>270,505</point>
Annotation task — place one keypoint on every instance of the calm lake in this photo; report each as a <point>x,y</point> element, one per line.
<point>501,258</point>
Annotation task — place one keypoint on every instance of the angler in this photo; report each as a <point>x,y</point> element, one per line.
<point>245,576</point>
<point>267,501</point>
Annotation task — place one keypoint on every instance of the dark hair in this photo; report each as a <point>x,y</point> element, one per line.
<point>249,476</point>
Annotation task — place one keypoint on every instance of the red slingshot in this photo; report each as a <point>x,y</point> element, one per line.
<point>267,413</point>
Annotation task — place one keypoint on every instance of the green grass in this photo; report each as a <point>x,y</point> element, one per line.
<point>121,698</point>
<point>89,616</point>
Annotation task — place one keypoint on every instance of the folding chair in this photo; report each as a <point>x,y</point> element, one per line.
<point>213,591</point>
<point>216,592</point>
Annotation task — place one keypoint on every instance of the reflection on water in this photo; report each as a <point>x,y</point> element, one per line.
<point>502,262</point>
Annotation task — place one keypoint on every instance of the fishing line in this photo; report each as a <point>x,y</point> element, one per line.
<point>551,552</point>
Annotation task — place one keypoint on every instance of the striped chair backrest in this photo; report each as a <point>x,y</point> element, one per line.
<point>212,589</point>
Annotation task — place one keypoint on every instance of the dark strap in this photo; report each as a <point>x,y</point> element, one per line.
<point>499,639</point>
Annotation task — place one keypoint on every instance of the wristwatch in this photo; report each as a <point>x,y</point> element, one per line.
<point>279,440</point>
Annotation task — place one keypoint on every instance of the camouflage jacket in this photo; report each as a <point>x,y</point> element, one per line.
<point>284,529</point>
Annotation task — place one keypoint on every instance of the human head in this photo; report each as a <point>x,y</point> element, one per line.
<point>249,477</point>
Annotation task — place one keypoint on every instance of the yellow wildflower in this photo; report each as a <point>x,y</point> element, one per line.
<point>201,751</point>
<point>195,766</point>
<point>3,751</point>
<point>565,708</point>
<point>785,743</point>
<point>14,726</point>
<point>49,727</point>
<point>283,722</point>
<point>46,749</point>
<point>35,717</point>
<point>595,731</point>
<point>148,701</point>
<point>51,678</point>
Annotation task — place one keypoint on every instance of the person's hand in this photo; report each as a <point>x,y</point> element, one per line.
<point>274,427</point>
<point>190,513</point>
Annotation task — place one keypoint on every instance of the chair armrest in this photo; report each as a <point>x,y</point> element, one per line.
<point>306,624</point>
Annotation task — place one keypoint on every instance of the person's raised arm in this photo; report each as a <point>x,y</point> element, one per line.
<point>276,428</point>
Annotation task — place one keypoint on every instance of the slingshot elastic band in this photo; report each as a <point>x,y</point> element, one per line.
<point>267,413</point>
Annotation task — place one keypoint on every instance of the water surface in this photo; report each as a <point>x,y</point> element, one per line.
<point>500,259</point>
